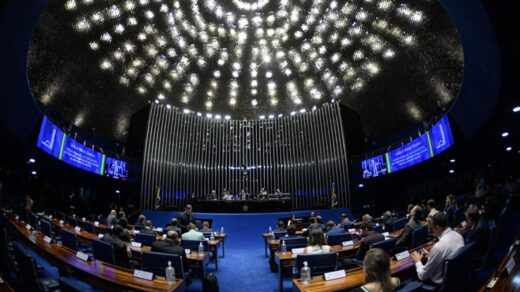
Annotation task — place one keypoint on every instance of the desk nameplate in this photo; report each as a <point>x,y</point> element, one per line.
<point>334,275</point>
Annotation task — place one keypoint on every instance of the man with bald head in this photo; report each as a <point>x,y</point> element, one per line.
<point>172,245</point>
<point>414,223</point>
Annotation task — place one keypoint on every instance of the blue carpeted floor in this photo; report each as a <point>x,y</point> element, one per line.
<point>245,267</point>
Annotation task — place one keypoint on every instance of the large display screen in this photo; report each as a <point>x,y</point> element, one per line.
<point>409,154</point>
<point>116,168</point>
<point>440,136</point>
<point>77,155</point>
<point>50,138</point>
<point>374,166</point>
<point>437,139</point>
<point>54,141</point>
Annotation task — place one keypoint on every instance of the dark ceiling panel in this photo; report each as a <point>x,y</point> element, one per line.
<point>94,64</point>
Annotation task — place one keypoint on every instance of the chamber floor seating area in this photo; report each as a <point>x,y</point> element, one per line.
<point>245,266</point>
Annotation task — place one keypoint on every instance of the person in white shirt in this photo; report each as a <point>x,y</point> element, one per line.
<point>431,208</point>
<point>317,242</point>
<point>449,242</point>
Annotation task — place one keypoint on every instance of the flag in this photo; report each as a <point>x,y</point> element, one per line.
<point>333,198</point>
<point>158,198</point>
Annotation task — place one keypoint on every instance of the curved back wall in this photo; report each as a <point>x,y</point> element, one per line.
<point>303,155</point>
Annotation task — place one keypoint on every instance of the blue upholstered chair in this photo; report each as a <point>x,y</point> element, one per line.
<point>46,228</point>
<point>318,263</point>
<point>419,236</point>
<point>337,239</point>
<point>399,223</point>
<point>296,242</point>
<point>103,251</point>
<point>156,262</point>
<point>27,272</point>
<point>194,244</point>
<point>386,245</point>
<point>69,239</point>
<point>278,234</point>
<point>146,239</point>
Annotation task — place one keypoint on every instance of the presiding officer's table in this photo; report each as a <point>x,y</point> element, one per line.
<point>96,273</point>
<point>244,206</point>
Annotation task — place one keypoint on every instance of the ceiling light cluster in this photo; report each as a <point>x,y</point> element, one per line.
<point>255,54</point>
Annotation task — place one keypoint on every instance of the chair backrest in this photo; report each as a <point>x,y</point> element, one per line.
<point>102,221</point>
<point>69,239</point>
<point>378,228</point>
<point>146,239</point>
<point>87,226</point>
<point>318,263</point>
<point>27,269</point>
<point>337,239</point>
<point>194,244</point>
<point>33,219</point>
<point>457,269</point>
<point>46,228</point>
<point>386,245</point>
<point>399,223</point>
<point>103,251</point>
<point>278,234</point>
<point>419,236</point>
<point>202,220</point>
<point>207,234</point>
<point>72,221</point>
<point>5,256</point>
<point>290,243</point>
<point>156,262</point>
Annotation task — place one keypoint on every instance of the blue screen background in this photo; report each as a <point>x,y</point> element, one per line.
<point>409,154</point>
<point>76,154</point>
<point>441,136</point>
<point>49,139</point>
<point>116,168</point>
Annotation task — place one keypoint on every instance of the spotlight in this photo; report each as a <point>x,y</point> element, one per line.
<point>118,192</point>
<point>509,148</point>
<point>34,172</point>
<point>452,160</point>
<point>32,160</point>
<point>516,109</point>
<point>505,134</point>
<point>452,171</point>
<point>227,117</point>
<point>361,185</point>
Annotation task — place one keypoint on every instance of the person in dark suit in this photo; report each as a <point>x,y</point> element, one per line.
<point>121,251</point>
<point>372,237</point>
<point>174,226</point>
<point>280,226</point>
<point>121,220</point>
<point>171,245</point>
<point>449,209</point>
<point>186,218</point>
<point>318,224</point>
<point>405,240</point>
<point>291,232</point>
<point>476,229</point>
<point>141,222</point>
<point>148,228</point>
<point>332,229</point>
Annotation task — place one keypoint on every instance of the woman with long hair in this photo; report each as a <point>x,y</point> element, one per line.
<point>377,272</point>
<point>317,243</point>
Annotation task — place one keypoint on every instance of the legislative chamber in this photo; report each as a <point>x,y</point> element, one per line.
<point>259,145</point>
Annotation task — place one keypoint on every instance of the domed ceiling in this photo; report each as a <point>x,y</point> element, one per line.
<point>95,63</point>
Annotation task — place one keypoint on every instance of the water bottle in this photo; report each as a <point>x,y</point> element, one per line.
<point>170,273</point>
<point>221,230</point>
<point>272,236</point>
<point>212,237</point>
<point>201,248</point>
<point>270,229</point>
<point>284,247</point>
<point>306,274</point>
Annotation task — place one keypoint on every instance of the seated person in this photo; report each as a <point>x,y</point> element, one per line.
<point>243,195</point>
<point>431,208</point>
<point>370,238</point>
<point>367,218</point>
<point>121,251</point>
<point>141,222</point>
<point>280,226</point>
<point>448,244</point>
<point>174,226</point>
<point>262,194</point>
<point>316,242</point>
<point>205,227</point>
<point>476,229</point>
<point>121,220</point>
<point>112,218</point>
<point>278,193</point>
<point>212,196</point>
<point>171,245</point>
<point>344,221</point>
<point>332,229</point>
<point>148,228</point>
<point>377,273</point>
<point>406,237</point>
<point>192,233</point>
<point>227,196</point>
<point>291,232</point>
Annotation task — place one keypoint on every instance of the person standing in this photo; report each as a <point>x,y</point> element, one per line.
<point>186,218</point>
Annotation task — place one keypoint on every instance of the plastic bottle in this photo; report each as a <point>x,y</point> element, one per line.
<point>283,247</point>
<point>170,273</point>
<point>270,229</point>
<point>306,274</point>
<point>201,248</point>
<point>272,235</point>
<point>221,230</point>
<point>212,237</point>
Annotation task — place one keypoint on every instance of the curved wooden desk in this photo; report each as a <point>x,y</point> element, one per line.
<point>94,272</point>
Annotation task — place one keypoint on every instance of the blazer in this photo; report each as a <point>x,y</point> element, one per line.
<point>406,237</point>
<point>120,250</point>
<point>372,237</point>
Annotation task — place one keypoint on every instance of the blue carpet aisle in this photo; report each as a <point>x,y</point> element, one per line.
<point>245,267</point>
